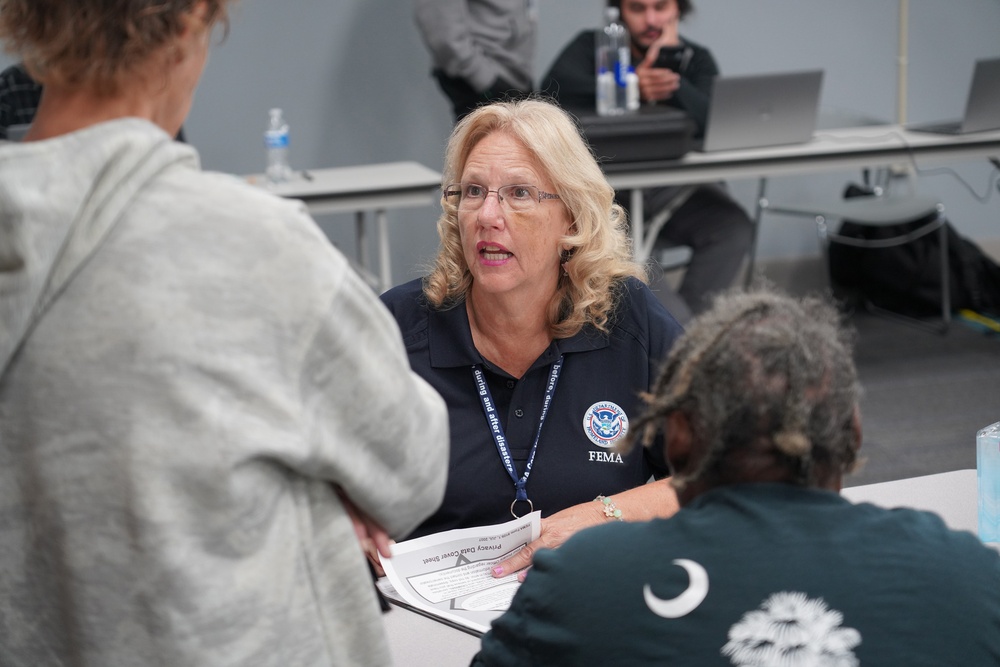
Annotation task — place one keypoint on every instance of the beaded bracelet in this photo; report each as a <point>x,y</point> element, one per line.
<point>610,509</point>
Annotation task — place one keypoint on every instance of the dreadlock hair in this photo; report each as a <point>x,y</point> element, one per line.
<point>761,367</point>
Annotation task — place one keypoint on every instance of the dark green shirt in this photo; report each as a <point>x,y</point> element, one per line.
<point>793,576</point>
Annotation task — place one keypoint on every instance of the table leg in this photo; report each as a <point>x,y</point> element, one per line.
<point>655,224</point>
<point>384,261</point>
<point>638,222</point>
<point>761,192</point>
<point>359,229</point>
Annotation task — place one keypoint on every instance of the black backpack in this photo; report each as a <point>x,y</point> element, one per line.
<point>906,279</point>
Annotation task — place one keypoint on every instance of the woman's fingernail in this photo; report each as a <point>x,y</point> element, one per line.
<point>498,570</point>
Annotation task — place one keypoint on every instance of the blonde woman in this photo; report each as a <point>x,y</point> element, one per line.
<point>534,301</point>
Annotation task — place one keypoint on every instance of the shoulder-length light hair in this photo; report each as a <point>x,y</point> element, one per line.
<point>597,246</point>
<point>97,44</point>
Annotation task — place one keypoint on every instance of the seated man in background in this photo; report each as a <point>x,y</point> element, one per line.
<point>710,222</point>
<point>765,563</point>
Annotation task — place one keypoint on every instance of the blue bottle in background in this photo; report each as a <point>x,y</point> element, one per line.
<point>276,141</point>
<point>988,474</point>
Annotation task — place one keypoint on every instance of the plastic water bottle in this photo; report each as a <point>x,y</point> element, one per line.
<point>988,474</point>
<point>613,56</point>
<point>276,140</point>
<point>605,92</point>
<point>631,91</point>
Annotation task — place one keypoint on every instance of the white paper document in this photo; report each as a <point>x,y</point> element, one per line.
<point>449,575</point>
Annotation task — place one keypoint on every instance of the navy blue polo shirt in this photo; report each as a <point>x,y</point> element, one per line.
<point>598,390</point>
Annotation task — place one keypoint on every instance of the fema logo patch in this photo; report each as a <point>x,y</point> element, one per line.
<point>605,423</point>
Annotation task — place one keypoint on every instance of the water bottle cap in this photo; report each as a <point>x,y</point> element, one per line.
<point>611,14</point>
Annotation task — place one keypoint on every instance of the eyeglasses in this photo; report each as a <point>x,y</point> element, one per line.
<point>514,197</point>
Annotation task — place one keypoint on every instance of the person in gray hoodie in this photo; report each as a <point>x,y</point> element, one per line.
<point>202,407</point>
<point>482,50</point>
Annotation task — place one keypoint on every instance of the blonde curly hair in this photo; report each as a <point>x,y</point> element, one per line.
<point>599,248</point>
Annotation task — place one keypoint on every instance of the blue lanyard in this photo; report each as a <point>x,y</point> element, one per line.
<point>520,484</point>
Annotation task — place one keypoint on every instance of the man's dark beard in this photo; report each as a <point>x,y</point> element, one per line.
<point>638,48</point>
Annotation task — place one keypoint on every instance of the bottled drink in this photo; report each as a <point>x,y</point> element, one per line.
<point>613,56</point>
<point>631,90</point>
<point>605,92</point>
<point>276,140</point>
<point>988,473</point>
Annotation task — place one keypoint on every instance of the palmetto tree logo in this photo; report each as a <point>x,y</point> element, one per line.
<point>790,630</point>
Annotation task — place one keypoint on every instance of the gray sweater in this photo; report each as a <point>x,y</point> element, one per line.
<point>187,368</point>
<point>479,40</point>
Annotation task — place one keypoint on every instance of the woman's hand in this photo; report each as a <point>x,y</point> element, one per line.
<point>372,536</point>
<point>649,501</point>
<point>556,529</point>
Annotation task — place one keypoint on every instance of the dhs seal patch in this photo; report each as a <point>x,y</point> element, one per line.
<point>605,423</point>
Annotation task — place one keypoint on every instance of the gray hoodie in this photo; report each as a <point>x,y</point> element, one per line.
<point>187,367</point>
<point>480,40</point>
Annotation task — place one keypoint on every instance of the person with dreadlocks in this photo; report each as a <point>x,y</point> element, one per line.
<point>765,563</point>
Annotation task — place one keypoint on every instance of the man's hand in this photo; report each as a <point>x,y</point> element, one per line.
<point>556,529</point>
<point>671,32</point>
<point>656,83</point>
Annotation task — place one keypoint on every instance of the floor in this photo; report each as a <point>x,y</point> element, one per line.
<point>925,397</point>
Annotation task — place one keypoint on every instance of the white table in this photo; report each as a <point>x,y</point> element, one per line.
<point>950,495</point>
<point>418,641</point>
<point>373,187</point>
<point>829,150</point>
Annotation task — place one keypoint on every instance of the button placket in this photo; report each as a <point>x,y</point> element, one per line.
<point>520,430</point>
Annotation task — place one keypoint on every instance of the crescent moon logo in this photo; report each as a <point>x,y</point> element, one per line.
<point>686,602</point>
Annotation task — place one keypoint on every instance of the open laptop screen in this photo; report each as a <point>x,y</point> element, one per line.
<point>762,110</point>
<point>982,106</point>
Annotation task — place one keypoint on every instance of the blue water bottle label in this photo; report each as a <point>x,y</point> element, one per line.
<point>622,67</point>
<point>276,139</point>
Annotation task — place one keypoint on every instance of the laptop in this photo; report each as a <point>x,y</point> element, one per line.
<point>762,110</point>
<point>982,107</point>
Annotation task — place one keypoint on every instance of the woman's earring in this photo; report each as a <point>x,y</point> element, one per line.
<point>564,258</point>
